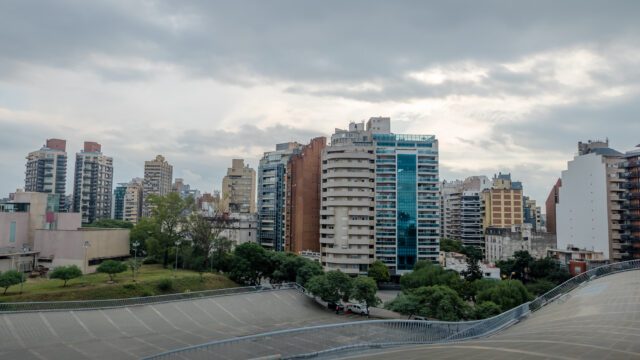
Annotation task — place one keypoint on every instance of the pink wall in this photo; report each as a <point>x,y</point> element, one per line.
<point>22,229</point>
<point>69,221</point>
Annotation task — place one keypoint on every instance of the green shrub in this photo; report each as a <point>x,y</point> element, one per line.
<point>146,292</point>
<point>66,273</point>
<point>130,286</point>
<point>10,277</point>
<point>112,268</point>
<point>150,260</point>
<point>165,284</point>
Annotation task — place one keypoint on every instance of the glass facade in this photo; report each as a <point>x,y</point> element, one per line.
<point>406,232</point>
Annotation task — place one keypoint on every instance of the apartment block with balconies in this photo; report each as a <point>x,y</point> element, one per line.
<point>93,183</point>
<point>46,170</point>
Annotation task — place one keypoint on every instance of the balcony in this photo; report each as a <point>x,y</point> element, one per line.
<point>630,196</point>
<point>630,185</point>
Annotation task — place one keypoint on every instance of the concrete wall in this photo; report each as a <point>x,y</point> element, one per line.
<point>22,229</point>
<point>581,213</point>
<point>66,247</point>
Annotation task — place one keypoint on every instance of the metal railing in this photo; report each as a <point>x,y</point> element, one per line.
<point>147,300</point>
<point>318,340</point>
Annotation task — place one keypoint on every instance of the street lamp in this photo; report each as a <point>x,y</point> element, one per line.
<point>175,271</point>
<point>25,248</point>
<point>135,258</point>
<point>509,283</point>
<point>85,246</point>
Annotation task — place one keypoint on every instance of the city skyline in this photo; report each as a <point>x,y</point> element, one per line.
<point>503,93</point>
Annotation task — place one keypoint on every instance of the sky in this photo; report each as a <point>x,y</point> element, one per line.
<point>505,86</point>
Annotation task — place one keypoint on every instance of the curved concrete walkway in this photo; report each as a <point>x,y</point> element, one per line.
<point>600,320</point>
<point>137,331</point>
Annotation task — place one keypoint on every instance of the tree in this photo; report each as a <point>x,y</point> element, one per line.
<point>145,229</point>
<point>474,256</point>
<point>450,245</point>
<point>341,282</point>
<point>134,265</point>
<point>506,294</point>
<point>540,287</point>
<point>364,291</point>
<point>442,303</point>
<point>425,273</point>
<point>112,268</point>
<point>319,286</point>
<point>485,310</point>
<point>110,223</point>
<point>249,264</point>
<point>66,273</point>
<point>307,271</point>
<point>9,278</point>
<point>405,304</point>
<point>168,212</point>
<point>379,271</point>
<point>548,269</point>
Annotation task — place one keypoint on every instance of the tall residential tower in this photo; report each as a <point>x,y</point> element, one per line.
<point>47,170</point>
<point>93,183</point>
<point>239,188</point>
<point>158,176</point>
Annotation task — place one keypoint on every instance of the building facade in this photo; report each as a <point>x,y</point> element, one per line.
<point>501,243</point>
<point>589,212</point>
<point>550,205</point>
<point>451,209</point>
<point>47,170</point>
<point>239,188</point>
<point>271,195</point>
<point>302,198</point>
<point>158,177</point>
<point>118,201</point>
<point>93,183</point>
<point>347,214</point>
<point>503,203</point>
<point>630,238</point>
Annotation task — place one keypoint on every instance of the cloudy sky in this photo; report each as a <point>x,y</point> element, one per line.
<point>504,85</point>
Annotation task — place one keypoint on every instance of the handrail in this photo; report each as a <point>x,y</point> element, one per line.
<point>318,340</point>
<point>14,307</point>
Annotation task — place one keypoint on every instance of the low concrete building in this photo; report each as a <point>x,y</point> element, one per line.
<point>240,228</point>
<point>33,232</point>
<point>458,262</point>
<point>501,243</point>
<point>590,257</point>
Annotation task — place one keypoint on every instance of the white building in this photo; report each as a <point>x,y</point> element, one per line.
<point>458,262</point>
<point>588,213</point>
<point>501,243</point>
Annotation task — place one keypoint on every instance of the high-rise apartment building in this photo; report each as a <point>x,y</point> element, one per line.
<point>118,201</point>
<point>472,211</point>
<point>392,179</point>
<point>450,209</point>
<point>93,183</point>
<point>630,239</point>
<point>158,175</point>
<point>503,202</point>
<point>271,196</point>
<point>347,213</point>
<point>239,188</point>
<point>531,213</point>
<point>47,170</point>
<point>302,198</point>
<point>589,213</point>
<point>133,201</point>
<point>550,206</point>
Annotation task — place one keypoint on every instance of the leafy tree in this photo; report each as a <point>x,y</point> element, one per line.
<point>110,223</point>
<point>307,271</point>
<point>112,268</point>
<point>364,291</point>
<point>200,231</point>
<point>145,228</point>
<point>540,287</point>
<point>319,286</point>
<point>550,270</point>
<point>450,245</point>
<point>168,212</point>
<point>66,273</point>
<point>341,282</point>
<point>474,256</point>
<point>442,303</point>
<point>9,278</point>
<point>134,265</point>
<point>486,309</point>
<point>405,304</point>
<point>220,253</point>
<point>426,273</point>
<point>250,261</point>
<point>379,271</point>
<point>198,263</point>
<point>506,294</point>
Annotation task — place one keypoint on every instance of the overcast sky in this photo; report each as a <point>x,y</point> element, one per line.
<point>507,86</point>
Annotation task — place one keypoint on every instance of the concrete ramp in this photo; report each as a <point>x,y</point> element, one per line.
<point>137,331</point>
<point>599,320</point>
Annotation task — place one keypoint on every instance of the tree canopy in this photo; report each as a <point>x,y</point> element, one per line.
<point>379,271</point>
<point>66,273</point>
<point>110,223</point>
<point>364,291</point>
<point>9,278</point>
<point>111,267</point>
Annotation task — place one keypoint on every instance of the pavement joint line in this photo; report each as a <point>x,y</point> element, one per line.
<point>36,354</point>
<point>48,325</point>
<point>14,332</point>
<point>75,316</point>
<point>113,323</point>
<point>557,342</point>
<point>230,314</point>
<point>140,321</point>
<point>188,316</point>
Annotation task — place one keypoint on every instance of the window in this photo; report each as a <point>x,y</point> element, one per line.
<point>12,232</point>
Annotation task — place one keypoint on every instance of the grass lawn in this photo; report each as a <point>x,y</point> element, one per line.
<point>147,278</point>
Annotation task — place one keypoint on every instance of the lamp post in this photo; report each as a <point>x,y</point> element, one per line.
<point>175,271</point>
<point>25,248</point>
<point>135,258</point>
<point>85,246</point>
<point>509,283</point>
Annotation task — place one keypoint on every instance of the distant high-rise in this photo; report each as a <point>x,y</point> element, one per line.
<point>630,239</point>
<point>118,201</point>
<point>302,199</point>
<point>503,202</point>
<point>93,183</point>
<point>239,188</point>
<point>127,201</point>
<point>550,205</point>
<point>47,169</point>
<point>158,176</point>
<point>271,182</point>
<point>589,211</point>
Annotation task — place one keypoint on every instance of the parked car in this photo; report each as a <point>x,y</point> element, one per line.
<point>332,305</point>
<point>358,309</point>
